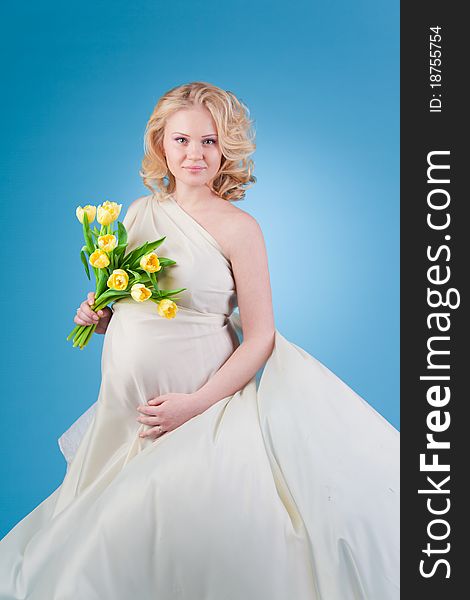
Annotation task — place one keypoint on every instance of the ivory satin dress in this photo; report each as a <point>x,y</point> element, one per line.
<point>287,490</point>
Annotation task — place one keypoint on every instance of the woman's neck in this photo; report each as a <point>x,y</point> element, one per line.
<point>192,198</point>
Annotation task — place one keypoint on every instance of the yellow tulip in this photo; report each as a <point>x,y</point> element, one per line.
<point>99,259</point>
<point>167,308</point>
<point>150,263</point>
<point>118,280</point>
<point>140,293</point>
<point>107,242</point>
<point>108,212</point>
<point>90,213</point>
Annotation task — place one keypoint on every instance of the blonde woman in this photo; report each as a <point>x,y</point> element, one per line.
<point>186,480</point>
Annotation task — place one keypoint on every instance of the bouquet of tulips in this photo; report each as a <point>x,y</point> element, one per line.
<point>119,274</point>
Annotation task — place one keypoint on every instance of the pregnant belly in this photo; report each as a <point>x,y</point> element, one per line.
<point>148,355</point>
<point>145,355</point>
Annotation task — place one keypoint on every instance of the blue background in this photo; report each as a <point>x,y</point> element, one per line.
<point>81,80</point>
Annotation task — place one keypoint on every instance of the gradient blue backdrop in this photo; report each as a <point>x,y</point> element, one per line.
<point>81,79</point>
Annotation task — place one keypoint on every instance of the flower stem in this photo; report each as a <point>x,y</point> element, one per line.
<point>74,331</point>
<point>80,335</point>
<point>86,338</point>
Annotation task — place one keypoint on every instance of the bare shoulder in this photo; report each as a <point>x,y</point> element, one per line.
<point>241,227</point>
<point>237,219</point>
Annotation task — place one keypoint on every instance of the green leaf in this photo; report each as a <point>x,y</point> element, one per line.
<point>154,245</point>
<point>133,258</point>
<point>153,279</point>
<point>85,263</point>
<point>96,271</point>
<point>122,234</point>
<point>168,293</point>
<point>121,247</point>
<point>109,296</point>
<point>101,285</point>
<point>129,258</point>
<point>137,276</point>
<point>166,262</point>
<point>87,235</point>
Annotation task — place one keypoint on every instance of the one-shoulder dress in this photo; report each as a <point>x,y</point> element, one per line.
<point>286,490</point>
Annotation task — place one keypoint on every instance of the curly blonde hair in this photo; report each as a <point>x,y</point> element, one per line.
<point>235,131</point>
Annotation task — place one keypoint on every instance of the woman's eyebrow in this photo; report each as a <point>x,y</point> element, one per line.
<point>187,135</point>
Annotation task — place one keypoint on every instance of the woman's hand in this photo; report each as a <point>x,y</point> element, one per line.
<point>86,316</point>
<point>168,410</point>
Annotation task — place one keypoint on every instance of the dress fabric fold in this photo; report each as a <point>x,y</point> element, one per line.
<point>288,489</point>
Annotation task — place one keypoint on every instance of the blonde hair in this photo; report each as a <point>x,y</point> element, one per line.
<point>235,131</point>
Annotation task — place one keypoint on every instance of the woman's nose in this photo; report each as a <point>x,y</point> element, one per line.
<point>194,150</point>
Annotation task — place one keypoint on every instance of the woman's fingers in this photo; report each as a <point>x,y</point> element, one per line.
<point>91,300</point>
<point>83,318</point>
<point>153,421</point>
<point>149,420</point>
<point>85,315</point>
<point>153,433</point>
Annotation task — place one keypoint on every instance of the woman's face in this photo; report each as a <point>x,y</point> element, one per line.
<point>190,140</point>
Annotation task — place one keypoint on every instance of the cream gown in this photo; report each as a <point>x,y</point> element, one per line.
<point>285,492</point>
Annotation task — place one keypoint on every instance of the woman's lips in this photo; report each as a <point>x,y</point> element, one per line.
<point>195,168</point>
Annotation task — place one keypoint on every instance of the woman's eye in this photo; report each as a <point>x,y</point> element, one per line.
<point>208,140</point>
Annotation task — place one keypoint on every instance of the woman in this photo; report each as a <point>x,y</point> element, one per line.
<point>184,480</point>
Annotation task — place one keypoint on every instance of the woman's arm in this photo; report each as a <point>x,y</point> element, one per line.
<point>247,253</point>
